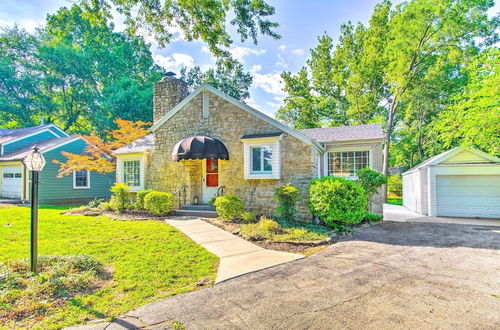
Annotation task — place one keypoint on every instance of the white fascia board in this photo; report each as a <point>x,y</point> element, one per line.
<point>241,105</point>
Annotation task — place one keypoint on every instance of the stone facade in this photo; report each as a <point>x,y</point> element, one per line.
<point>227,123</point>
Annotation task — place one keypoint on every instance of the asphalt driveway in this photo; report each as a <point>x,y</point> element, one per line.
<point>394,275</point>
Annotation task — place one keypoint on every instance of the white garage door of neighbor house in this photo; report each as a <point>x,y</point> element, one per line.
<point>12,182</point>
<point>468,196</point>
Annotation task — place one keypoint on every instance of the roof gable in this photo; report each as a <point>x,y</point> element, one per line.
<point>241,105</point>
<point>458,155</point>
<point>467,157</point>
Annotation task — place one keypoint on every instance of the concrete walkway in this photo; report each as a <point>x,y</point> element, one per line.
<point>402,214</point>
<point>237,256</point>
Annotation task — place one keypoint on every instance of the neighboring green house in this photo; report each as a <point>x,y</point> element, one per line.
<point>15,144</point>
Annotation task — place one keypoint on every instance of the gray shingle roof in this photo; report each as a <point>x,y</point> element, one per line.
<point>11,134</point>
<point>345,133</point>
<point>43,146</point>
<point>143,144</point>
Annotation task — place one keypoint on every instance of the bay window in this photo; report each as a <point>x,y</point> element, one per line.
<point>132,173</point>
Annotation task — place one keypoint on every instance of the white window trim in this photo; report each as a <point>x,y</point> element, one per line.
<point>88,181</point>
<point>119,170</point>
<point>347,149</point>
<point>274,143</point>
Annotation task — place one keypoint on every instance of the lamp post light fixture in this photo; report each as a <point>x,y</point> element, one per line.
<point>35,163</point>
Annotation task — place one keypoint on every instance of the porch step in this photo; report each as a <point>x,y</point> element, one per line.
<point>198,207</point>
<point>198,210</point>
<point>196,213</point>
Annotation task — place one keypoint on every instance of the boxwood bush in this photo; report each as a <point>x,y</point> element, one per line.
<point>139,197</point>
<point>158,203</point>
<point>337,201</point>
<point>229,207</point>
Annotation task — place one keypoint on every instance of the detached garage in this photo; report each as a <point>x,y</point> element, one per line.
<point>461,182</point>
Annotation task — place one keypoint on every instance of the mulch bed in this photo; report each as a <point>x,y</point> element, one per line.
<point>288,246</point>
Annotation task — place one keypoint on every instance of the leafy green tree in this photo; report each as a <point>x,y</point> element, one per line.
<point>228,76</point>
<point>342,84</point>
<point>76,73</point>
<point>198,20</point>
<point>475,118</point>
<point>403,68</point>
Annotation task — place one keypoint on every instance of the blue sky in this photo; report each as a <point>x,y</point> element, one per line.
<point>301,22</point>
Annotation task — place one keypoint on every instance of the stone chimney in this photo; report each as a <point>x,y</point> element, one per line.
<point>168,92</point>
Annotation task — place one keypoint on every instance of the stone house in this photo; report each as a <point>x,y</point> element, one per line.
<point>207,143</point>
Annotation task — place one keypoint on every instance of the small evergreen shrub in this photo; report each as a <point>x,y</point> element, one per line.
<point>372,217</point>
<point>248,217</point>
<point>229,207</point>
<point>120,199</point>
<point>287,196</point>
<point>139,198</point>
<point>158,203</point>
<point>337,201</point>
<point>269,225</point>
<point>370,181</point>
<point>94,203</point>
<point>106,206</point>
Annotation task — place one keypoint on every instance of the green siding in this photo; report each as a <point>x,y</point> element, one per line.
<point>42,136</point>
<point>53,190</point>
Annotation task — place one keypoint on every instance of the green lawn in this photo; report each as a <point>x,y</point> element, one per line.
<point>395,200</point>
<point>148,260</point>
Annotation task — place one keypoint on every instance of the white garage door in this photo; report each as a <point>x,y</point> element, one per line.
<point>468,196</point>
<point>12,183</point>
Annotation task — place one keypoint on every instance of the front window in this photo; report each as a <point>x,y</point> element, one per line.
<point>81,179</point>
<point>261,160</point>
<point>132,172</point>
<point>347,163</point>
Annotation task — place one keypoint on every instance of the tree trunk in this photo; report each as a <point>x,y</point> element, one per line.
<point>390,122</point>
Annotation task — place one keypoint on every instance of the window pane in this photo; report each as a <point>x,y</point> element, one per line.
<point>256,159</point>
<point>81,179</point>
<point>347,163</point>
<point>267,154</point>
<point>132,173</point>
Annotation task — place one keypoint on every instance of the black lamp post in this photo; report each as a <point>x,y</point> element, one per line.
<point>35,163</point>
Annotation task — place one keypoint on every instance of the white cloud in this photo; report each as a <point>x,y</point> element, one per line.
<point>240,53</point>
<point>256,68</point>
<point>174,62</point>
<point>24,23</point>
<point>269,82</point>
<point>283,47</point>
<point>298,51</point>
<point>281,62</point>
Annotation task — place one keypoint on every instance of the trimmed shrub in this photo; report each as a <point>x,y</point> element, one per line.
<point>139,198</point>
<point>248,217</point>
<point>287,196</point>
<point>337,201</point>
<point>120,199</point>
<point>158,203</point>
<point>371,181</point>
<point>372,217</point>
<point>269,225</point>
<point>229,207</point>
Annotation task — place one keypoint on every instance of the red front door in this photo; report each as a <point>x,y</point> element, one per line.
<point>212,173</point>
